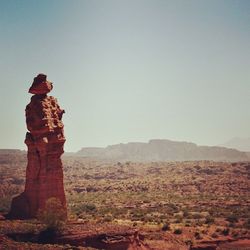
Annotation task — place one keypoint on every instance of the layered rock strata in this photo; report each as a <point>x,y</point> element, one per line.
<point>45,140</point>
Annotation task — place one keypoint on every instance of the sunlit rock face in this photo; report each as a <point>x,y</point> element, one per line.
<point>45,140</point>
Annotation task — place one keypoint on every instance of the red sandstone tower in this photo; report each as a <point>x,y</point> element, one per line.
<point>45,140</point>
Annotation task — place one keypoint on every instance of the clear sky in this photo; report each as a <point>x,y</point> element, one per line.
<point>129,70</point>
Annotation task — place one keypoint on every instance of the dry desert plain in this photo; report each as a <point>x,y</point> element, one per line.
<point>133,205</point>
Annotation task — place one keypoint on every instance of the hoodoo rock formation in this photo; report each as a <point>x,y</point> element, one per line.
<point>45,140</point>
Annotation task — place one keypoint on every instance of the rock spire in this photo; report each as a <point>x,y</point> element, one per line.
<point>45,140</point>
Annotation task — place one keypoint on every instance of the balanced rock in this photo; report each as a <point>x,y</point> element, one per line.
<point>45,140</point>
<point>40,85</point>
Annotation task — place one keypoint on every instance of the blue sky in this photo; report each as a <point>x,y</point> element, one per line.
<point>129,70</point>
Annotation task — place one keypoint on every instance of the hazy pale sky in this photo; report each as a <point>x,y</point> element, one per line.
<point>129,70</point>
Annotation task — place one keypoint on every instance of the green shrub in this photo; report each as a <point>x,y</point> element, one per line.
<point>197,216</point>
<point>5,204</point>
<point>177,231</point>
<point>53,215</point>
<point>225,231</point>
<point>209,220</point>
<point>88,207</point>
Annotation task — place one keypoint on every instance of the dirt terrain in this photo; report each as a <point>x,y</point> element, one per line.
<point>133,205</point>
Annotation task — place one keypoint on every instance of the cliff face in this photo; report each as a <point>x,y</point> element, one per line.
<point>45,140</point>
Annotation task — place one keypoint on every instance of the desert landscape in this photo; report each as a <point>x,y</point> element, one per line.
<point>125,125</point>
<point>137,205</point>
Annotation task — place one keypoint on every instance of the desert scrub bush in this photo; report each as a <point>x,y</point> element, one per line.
<point>88,207</point>
<point>9,227</point>
<point>214,235</point>
<point>235,234</point>
<point>138,216</point>
<point>173,207</point>
<point>166,226</point>
<point>117,212</point>
<point>197,235</point>
<point>197,216</point>
<point>5,204</point>
<point>247,224</point>
<point>152,218</point>
<point>232,218</point>
<point>107,218</point>
<point>225,231</point>
<point>83,208</point>
<point>53,215</point>
<point>178,231</point>
<point>185,213</point>
<point>209,220</point>
<point>163,218</point>
<point>178,218</point>
<point>189,242</point>
<point>199,223</point>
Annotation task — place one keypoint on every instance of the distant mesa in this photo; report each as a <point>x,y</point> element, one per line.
<point>45,140</point>
<point>6,151</point>
<point>163,150</point>
<point>242,144</point>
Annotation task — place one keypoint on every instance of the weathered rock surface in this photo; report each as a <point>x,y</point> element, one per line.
<point>40,85</point>
<point>45,140</point>
<point>127,240</point>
